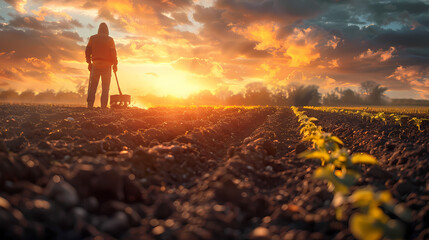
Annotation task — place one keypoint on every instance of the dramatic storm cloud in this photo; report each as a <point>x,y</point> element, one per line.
<point>181,46</point>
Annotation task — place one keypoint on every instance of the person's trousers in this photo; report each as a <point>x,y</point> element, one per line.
<point>94,78</point>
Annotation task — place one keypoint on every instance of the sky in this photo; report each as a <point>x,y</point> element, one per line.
<point>178,47</point>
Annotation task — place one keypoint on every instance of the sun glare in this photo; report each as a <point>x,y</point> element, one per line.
<point>157,79</point>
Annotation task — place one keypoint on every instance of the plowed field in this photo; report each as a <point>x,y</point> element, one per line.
<point>188,173</point>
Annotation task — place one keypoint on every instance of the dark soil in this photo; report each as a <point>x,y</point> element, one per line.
<point>403,154</point>
<point>186,173</point>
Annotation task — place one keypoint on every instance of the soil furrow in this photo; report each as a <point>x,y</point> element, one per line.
<point>187,173</point>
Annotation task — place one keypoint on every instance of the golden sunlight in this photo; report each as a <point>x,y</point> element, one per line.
<point>159,79</point>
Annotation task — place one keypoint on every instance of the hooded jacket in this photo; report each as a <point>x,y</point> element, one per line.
<point>101,48</point>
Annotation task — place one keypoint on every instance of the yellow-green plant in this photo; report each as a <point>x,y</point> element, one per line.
<point>338,166</point>
<point>397,119</point>
<point>372,222</point>
<point>418,122</point>
<point>366,115</point>
<point>386,109</point>
<point>381,116</point>
<point>341,170</point>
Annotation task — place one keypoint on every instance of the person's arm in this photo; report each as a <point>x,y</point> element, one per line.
<point>114,56</point>
<point>88,53</point>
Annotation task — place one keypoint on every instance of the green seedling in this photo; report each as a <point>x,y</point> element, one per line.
<point>340,169</point>
<point>397,119</point>
<point>381,116</point>
<point>418,122</point>
<point>324,141</point>
<point>366,115</point>
<point>338,166</point>
<point>304,120</point>
<point>338,181</point>
<point>310,131</point>
<point>372,222</point>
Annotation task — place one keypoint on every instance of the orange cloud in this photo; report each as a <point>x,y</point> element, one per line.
<point>413,75</point>
<point>417,77</point>
<point>7,55</point>
<point>199,66</point>
<point>263,33</point>
<point>301,47</point>
<point>334,63</point>
<point>333,43</point>
<point>39,63</point>
<point>272,70</point>
<point>44,11</point>
<point>380,54</point>
<point>18,5</point>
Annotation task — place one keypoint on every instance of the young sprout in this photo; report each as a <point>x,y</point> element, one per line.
<point>340,169</point>
<point>324,141</point>
<point>398,118</point>
<point>381,116</point>
<point>372,222</point>
<point>418,122</point>
<point>338,166</point>
<point>366,115</point>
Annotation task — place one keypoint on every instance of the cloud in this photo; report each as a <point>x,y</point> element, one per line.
<point>12,74</point>
<point>34,23</point>
<point>338,42</point>
<point>287,11</point>
<point>334,63</point>
<point>405,12</point>
<point>378,55</point>
<point>43,12</point>
<point>31,43</point>
<point>409,38</point>
<point>302,47</point>
<point>33,51</point>
<point>265,34</point>
<point>181,17</point>
<point>333,43</point>
<point>39,63</point>
<point>198,66</point>
<point>72,35</point>
<point>18,5</point>
<point>415,76</point>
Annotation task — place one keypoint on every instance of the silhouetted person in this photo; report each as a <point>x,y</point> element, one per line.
<point>100,55</point>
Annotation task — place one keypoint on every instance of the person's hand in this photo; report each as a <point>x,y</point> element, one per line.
<point>115,68</point>
<point>89,67</point>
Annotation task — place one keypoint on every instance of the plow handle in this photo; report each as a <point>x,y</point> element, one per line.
<point>119,88</point>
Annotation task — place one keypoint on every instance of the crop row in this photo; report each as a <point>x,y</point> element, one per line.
<point>397,119</point>
<point>342,169</point>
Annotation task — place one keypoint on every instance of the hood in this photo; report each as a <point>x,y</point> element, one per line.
<point>103,29</point>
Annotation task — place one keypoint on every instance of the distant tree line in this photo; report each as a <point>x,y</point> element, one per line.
<point>47,96</point>
<point>371,93</point>
<point>257,93</point>
<point>253,94</point>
